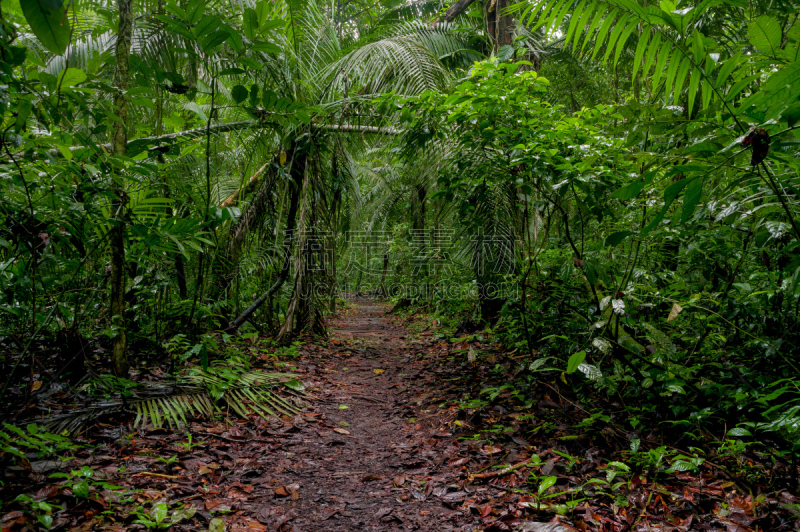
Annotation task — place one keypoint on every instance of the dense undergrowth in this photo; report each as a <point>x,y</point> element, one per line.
<point>606,192</point>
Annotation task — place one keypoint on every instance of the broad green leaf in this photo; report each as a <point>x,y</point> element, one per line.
<point>51,26</point>
<point>619,28</point>
<point>614,239</point>
<point>740,85</point>
<point>584,20</point>
<point>262,11</point>
<point>159,512</point>
<point>213,40</point>
<point>765,34</point>
<point>632,190</point>
<point>792,114</point>
<point>195,11</point>
<point>254,96</point>
<point>206,25</point>
<point>558,15</point>
<point>176,10</point>
<point>679,79</point>
<point>575,360</point>
<point>266,47</point>
<point>250,23</point>
<point>268,99</point>
<point>294,384</point>
<point>239,93</point>
<point>574,20</point>
<point>234,37</point>
<point>663,55</point>
<point>698,48</point>
<point>71,77</point>
<point>596,21</point>
<point>692,198</point>
<point>694,85</point>
<point>546,483</point>
<point>672,69</point>
<point>726,69</point>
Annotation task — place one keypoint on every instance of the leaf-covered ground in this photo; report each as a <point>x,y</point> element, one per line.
<point>387,443</point>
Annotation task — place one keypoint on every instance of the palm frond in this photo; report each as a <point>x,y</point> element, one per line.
<point>678,47</point>
<point>245,393</point>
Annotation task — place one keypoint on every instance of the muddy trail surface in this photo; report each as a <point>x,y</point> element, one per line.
<point>358,459</point>
<point>375,450</point>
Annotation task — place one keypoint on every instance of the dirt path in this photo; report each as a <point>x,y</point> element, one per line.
<point>357,459</point>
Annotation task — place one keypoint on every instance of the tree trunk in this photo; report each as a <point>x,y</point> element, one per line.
<point>383,291</point>
<point>119,356</point>
<point>420,194</point>
<point>297,173</point>
<point>499,26</point>
<point>301,294</point>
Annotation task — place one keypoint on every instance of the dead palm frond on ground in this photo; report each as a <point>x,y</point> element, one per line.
<point>202,393</point>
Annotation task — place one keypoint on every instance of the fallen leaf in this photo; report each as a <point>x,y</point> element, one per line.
<point>491,449</point>
<point>45,493</point>
<point>327,514</point>
<point>10,516</point>
<point>213,503</point>
<point>472,356</point>
<point>281,491</point>
<point>36,385</point>
<point>208,468</point>
<point>216,525</point>
<point>343,407</point>
<point>676,309</point>
<point>370,477</point>
<point>340,431</point>
<point>378,371</point>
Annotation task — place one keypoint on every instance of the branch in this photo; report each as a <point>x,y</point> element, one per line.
<point>453,11</point>
<point>233,126</point>
<point>244,189</point>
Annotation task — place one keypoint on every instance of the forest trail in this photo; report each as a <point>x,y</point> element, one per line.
<point>366,455</point>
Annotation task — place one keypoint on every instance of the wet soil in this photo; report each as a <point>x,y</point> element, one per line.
<point>361,458</point>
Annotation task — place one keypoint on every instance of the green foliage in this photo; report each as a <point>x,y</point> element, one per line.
<point>49,22</point>
<point>159,517</point>
<point>17,442</point>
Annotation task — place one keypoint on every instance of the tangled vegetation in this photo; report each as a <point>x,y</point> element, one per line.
<point>607,189</point>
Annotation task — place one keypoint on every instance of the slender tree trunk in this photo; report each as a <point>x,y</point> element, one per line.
<point>119,356</point>
<point>383,291</point>
<point>298,304</point>
<point>297,173</point>
<point>420,195</point>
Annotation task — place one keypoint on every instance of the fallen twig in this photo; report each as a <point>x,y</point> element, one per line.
<point>149,474</point>
<point>368,398</point>
<point>501,472</point>
<point>233,440</point>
